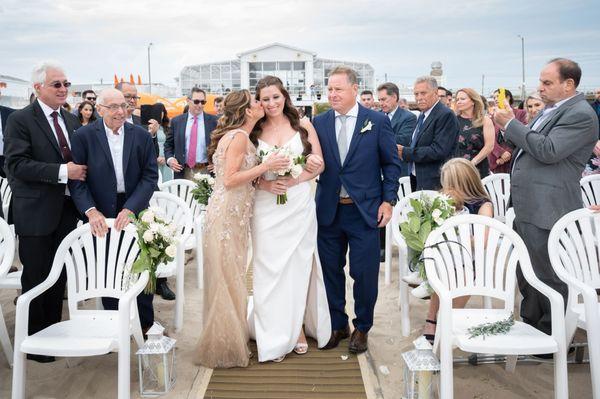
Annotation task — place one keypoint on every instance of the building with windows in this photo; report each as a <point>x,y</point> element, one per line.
<point>301,71</point>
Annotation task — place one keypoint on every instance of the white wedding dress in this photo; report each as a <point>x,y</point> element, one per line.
<point>288,281</point>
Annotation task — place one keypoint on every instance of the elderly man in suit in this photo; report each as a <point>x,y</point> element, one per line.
<point>189,138</point>
<point>122,176</point>
<point>4,112</point>
<point>433,139</point>
<point>37,146</point>
<point>550,155</point>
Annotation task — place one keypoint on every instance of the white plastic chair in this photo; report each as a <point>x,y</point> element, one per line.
<point>183,189</point>
<point>458,262</point>
<point>176,211</point>
<point>498,187</point>
<point>6,195</point>
<point>399,215</point>
<point>7,281</point>
<point>590,190</point>
<point>573,248</point>
<point>96,267</point>
<point>403,191</point>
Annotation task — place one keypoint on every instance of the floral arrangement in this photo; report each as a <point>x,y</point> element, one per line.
<point>427,214</point>
<point>294,168</point>
<point>157,240</point>
<point>500,327</point>
<point>204,188</point>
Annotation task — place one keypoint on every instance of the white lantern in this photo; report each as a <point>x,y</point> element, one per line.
<point>157,363</point>
<point>421,371</point>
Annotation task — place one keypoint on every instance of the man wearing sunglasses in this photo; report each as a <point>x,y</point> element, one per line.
<point>87,95</point>
<point>37,146</point>
<point>189,138</point>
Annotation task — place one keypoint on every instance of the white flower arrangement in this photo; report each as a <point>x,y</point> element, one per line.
<point>204,188</point>
<point>294,168</point>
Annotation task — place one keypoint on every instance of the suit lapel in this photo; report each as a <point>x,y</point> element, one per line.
<point>330,134</point>
<point>70,126</point>
<point>206,133</point>
<point>428,121</point>
<point>127,145</point>
<point>101,137</point>
<point>43,123</point>
<point>180,136</point>
<point>356,135</point>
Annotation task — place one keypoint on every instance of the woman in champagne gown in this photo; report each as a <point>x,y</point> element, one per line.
<point>224,338</point>
<point>287,277</point>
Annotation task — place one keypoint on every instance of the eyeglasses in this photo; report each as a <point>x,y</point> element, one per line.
<point>130,97</point>
<point>91,98</point>
<point>115,107</point>
<point>58,85</point>
<point>203,102</point>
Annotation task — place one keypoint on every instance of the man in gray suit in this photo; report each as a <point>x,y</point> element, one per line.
<point>550,156</point>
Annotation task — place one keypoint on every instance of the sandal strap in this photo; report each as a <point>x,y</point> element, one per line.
<point>430,321</point>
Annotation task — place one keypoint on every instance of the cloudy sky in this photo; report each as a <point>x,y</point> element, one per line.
<point>96,39</point>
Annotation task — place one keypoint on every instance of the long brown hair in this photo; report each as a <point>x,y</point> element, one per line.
<point>290,112</point>
<point>478,108</point>
<point>234,116</point>
<point>461,180</point>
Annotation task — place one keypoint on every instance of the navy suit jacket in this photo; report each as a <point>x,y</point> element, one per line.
<point>175,142</point>
<point>434,145</point>
<point>372,154</point>
<point>403,125</point>
<point>89,146</point>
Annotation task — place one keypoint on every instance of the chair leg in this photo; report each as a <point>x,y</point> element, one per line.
<point>511,363</point>
<point>594,350</point>
<point>5,340</point>
<point>19,376</point>
<point>561,382</point>
<point>388,254</point>
<point>446,371</point>
<point>179,298</point>
<point>124,371</point>
<point>404,298</point>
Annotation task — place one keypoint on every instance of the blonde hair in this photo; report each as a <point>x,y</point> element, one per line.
<point>461,180</point>
<point>478,107</point>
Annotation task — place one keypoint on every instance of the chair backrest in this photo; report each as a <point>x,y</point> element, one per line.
<point>98,266</point>
<point>7,248</point>
<point>5,192</point>
<point>401,210</point>
<point>574,246</point>
<point>498,187</point>
<point>590,190</point>
<point>175,210</point>
<point>460,262</point>
<point>404,189</point>
<point>183,189</point>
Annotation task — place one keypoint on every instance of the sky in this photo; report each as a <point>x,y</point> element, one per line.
<point>94,40</point>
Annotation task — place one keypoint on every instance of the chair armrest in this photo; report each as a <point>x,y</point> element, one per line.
<point>127,298</point>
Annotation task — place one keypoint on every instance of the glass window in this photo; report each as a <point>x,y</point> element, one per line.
<point>255,66</point>
<point>269,66</point>
<point>298,66</point>
<point>285,66</point>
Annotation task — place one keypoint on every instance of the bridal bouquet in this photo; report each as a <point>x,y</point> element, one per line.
<point>157,240</point>
<point>294,168</point>
<point>203,189</point>
<point>427,214</point>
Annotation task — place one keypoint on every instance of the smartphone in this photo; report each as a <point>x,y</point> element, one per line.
<point>150,111</point>
<point>501,97</point>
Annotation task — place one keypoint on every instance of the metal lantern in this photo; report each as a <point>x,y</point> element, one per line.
<point>421,371</point>
<point>157,363</point>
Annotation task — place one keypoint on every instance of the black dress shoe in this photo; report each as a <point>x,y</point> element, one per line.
<point>381,255</point>
<point>164,291</point>
<point>358,342</point>
<point>41,358</point>
<point>336,337</point>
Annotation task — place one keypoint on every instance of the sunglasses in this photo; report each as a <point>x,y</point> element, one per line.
<point>91,98</point>
<point>203,102</point>
<point>58,85</point>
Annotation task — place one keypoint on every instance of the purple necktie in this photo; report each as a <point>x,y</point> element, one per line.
<point>62,141</point>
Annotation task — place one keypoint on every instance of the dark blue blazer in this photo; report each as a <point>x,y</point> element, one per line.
<point>175,142</point>
<point>89,146</point>
<point>4,112</point>
<point>434,145</point>
<point>403,125</point>
<point>372,154</point>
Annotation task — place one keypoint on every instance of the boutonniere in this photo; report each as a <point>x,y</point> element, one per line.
<point>367,126</point>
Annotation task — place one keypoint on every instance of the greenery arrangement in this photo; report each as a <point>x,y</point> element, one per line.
<point>204,188</point>
<point>496,328</point>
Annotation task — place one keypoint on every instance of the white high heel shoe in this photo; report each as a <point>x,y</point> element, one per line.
<point>422,291</point>
<point>412,278</point>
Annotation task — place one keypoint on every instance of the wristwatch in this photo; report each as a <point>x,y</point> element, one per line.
<point>392,202</point>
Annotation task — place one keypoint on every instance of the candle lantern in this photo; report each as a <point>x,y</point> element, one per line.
<point>157,363</point>
<point>421,371</point>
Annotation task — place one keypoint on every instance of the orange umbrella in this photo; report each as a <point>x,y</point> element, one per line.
<point>131,79</point>
<point>116,80</point>
<point>139,80</point>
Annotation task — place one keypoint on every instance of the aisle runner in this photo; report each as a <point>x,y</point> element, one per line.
<point>317,374</point>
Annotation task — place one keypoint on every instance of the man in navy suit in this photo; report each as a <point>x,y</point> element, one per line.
<point>121,176</point>
<point>433,140</point>
<point>4,112</point>
<point>186,145</point>
<point>353,200</point>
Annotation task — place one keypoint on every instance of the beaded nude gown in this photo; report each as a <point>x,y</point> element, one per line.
<point>224,339</point>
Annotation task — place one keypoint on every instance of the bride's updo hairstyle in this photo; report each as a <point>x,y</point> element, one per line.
<point>234,116</point>
<point>290,112</point>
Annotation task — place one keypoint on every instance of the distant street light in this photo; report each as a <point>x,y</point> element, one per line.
<point>522,66</point>
<point>149,71</point>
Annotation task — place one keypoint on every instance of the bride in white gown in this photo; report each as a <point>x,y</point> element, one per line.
<point>287,277</point>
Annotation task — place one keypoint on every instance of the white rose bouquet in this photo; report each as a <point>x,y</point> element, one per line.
<point>294,169</point>
<point>157,240</point>
<point>203,189</point>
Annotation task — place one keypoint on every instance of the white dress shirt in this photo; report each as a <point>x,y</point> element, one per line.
<point>350,124</point>
<point>392,113</point>
<point>201,154</point>
<point>63,175</point>
<point>115,143</point>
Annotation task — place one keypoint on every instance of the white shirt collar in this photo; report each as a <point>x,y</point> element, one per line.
<point>561,102</point>
<point>429,110</point>
<point>109,131</point>
<point>47,109</point>
<point>392,113</point>
<point>353,111</point>
<point>191,117</point>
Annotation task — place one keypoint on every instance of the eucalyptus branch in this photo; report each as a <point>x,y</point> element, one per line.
<point>496,328</point>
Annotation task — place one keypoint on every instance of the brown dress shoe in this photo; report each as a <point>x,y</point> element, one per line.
<point>358,342</point>
<point>336,337</point>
